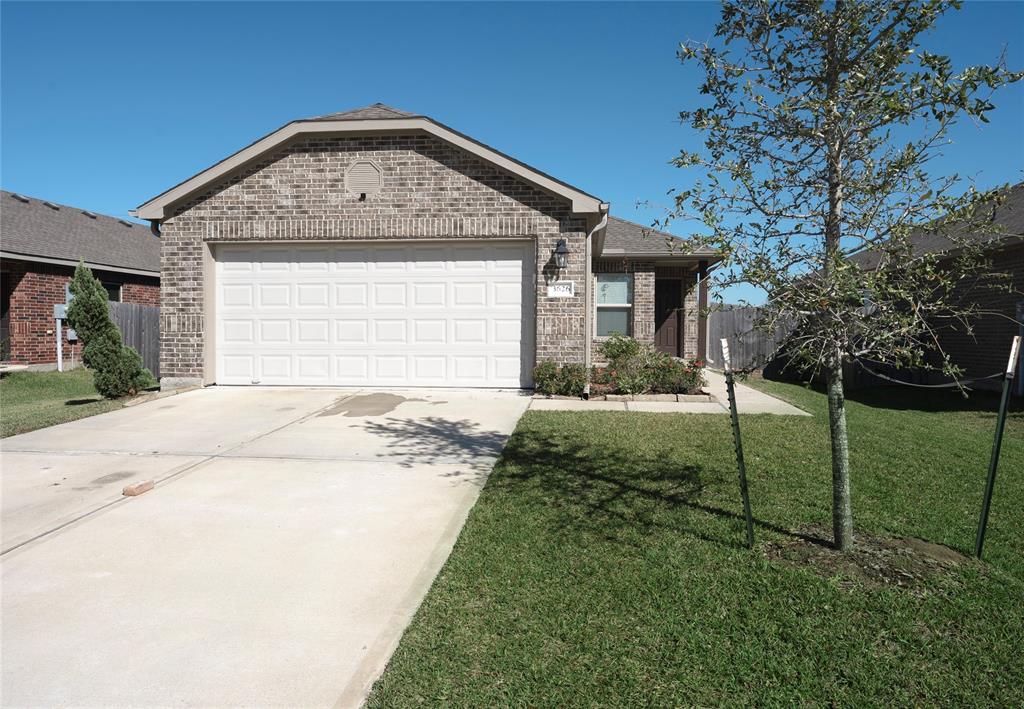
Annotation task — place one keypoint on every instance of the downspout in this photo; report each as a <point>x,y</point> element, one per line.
<point>154,227</point>
<point>588,306</point>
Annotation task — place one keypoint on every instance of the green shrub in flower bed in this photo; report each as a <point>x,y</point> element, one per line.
<point>568,380</point>
<point>633,368</point>
<point>637,368</point>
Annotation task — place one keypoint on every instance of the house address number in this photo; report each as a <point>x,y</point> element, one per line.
<point>562,289</point>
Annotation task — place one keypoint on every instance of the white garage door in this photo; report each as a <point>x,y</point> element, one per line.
<point>396,314</point>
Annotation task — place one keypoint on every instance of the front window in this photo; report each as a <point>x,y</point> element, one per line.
<point>113,292</point>
<point>614,304</point>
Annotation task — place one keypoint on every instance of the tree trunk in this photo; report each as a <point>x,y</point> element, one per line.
<point>842,514</point>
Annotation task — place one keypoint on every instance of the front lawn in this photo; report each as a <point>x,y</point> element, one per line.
<point>603,566</point>
<point>31,400</point>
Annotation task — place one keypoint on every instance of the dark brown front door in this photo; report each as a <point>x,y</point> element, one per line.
<point>668,303</point>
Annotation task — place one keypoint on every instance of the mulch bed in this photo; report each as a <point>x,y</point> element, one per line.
<point>904,563</point>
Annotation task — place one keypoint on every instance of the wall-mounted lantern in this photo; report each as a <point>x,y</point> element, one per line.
<point>561,254</point>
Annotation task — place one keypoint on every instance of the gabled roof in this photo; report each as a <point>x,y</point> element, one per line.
<point>628,239</point>
<point>377,111</point>
<point>1009,215</point>
<point>38,230</point>
<point>377,118</point>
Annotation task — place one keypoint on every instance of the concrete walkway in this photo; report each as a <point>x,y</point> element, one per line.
<point>748,401</point>
<point>290,539</point>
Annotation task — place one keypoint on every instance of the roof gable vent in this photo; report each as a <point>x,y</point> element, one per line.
<point>363,177</point>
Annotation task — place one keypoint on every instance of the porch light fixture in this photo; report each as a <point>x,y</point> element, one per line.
<point>561,254</point>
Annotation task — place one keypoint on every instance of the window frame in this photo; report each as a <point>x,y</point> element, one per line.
<point>628,307</point>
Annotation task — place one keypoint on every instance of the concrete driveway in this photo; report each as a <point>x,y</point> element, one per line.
<point>290,537</point>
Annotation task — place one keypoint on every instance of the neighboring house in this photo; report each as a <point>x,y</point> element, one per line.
<point>379,247</point>
<point>40,244</point>
<point>985,350</point>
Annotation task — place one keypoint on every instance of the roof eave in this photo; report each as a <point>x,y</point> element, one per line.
<point>156,208</point>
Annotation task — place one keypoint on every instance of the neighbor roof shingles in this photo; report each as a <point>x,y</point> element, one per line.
<point>30,228</point>
<point>625,237</point>
<point>1009,215</point>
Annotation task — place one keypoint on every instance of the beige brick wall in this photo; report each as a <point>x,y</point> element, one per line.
<point>430,190</point>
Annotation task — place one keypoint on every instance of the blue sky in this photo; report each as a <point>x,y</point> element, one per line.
<point>106,104</point>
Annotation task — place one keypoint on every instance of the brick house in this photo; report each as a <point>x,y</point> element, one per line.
<point>40,244</point>
<point>983,350</point>
<point>381,248</point>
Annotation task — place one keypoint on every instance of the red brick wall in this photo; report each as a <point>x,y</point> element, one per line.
<point>36,288</point>
<point>141,293</point>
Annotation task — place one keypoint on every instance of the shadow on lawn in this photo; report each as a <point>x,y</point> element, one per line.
<point>619,494</point>
<point>592,487</point>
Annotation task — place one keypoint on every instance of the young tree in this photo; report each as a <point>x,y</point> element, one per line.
<point>117,369</point>
<point>821,120</point>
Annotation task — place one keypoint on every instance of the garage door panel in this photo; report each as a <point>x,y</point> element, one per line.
<point>375,315</point>
<point>274,295</point>
<point>275,332</point>
<point>312,295</point>
<point>389,295</point>
<point>350,295</point>
<point>428,295</point>
<point>351,332</point>
<point>275,368</point>
<point>469,295</point>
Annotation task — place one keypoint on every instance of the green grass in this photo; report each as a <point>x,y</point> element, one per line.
<point>603,566</point>
<point>31,400</point>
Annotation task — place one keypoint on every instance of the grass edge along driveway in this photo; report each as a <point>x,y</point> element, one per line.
<point>33,400</point>
<point>603,566</point>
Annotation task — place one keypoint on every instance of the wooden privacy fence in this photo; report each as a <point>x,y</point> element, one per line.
<point>140,329</point>
<point>747,347</point>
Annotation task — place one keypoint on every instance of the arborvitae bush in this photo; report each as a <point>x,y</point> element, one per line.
<point>117,369</point>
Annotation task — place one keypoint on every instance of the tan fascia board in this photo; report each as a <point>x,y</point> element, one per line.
<point>613,254</point>
<point>156,208</point>
<point>69,262</point>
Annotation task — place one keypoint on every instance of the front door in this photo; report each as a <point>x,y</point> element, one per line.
<point>668,304</point>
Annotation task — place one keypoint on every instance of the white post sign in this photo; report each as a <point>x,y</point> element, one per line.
<point>725,354</point>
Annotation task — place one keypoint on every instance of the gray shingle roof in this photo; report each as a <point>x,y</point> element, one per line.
<point>625,237</point>
<point>33,227</point>
<point>366,113</point>
<point>1010,215</point>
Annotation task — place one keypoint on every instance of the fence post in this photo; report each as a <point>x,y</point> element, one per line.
<point>730,387</point>
<point>1011,368</point>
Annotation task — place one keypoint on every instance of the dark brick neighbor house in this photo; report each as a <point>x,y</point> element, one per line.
<point>984,351</point>
<point>381,248</point>
<point>40,244</point>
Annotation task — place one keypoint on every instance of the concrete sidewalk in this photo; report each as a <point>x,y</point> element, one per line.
<point>748,401</point>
